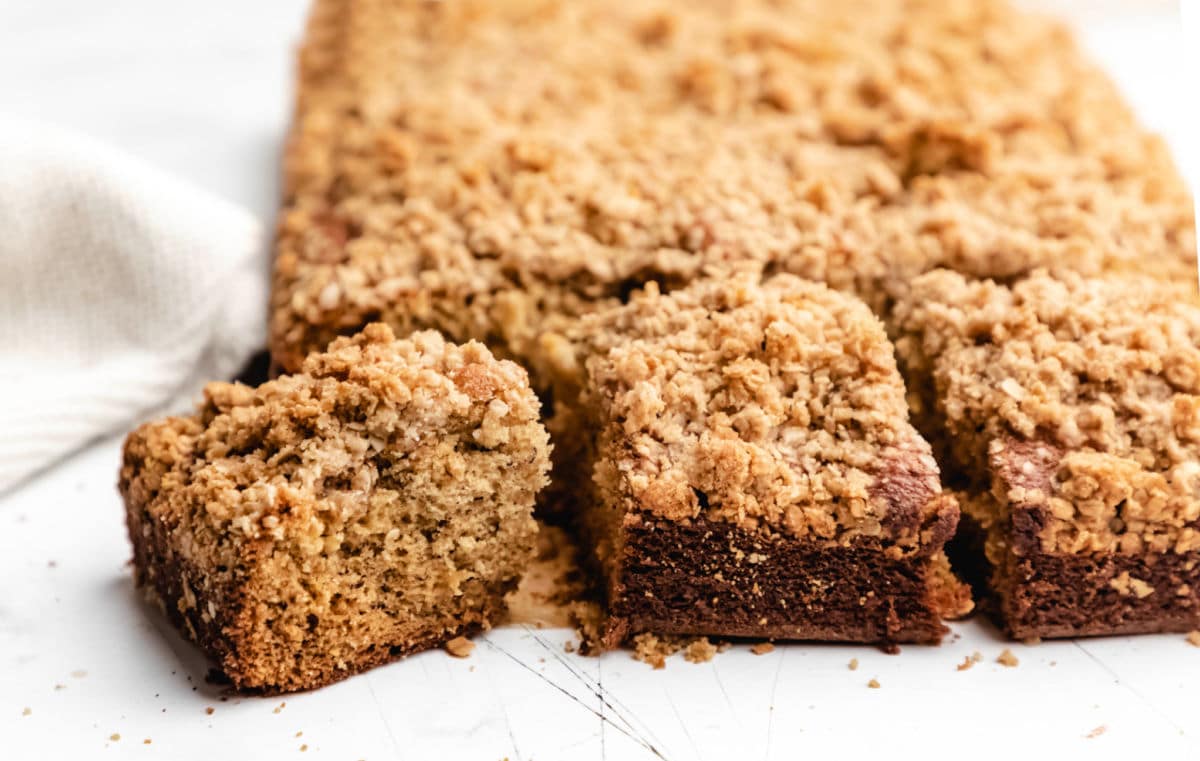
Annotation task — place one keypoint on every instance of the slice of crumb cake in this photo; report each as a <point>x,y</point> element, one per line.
<point>375,504</point>
<point>1068,411</point>
<point>753,472</point>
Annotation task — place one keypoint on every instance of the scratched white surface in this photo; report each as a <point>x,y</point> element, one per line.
<point>205,93</point>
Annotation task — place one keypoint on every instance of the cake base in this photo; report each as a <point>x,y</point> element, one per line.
<point>714,578</point>
<point>1052,596</point>
<point>162,574</point>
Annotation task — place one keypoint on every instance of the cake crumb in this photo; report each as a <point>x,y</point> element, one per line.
<point>300,733</point>
<point>699,651</point>
<point>970,660</point>
<point>115,736</point>
<point>569,646</point>
<point>1097,732</point>
<point>209,710</point>
<point>60,686</point>
<point>588,618</point>
<point>146,741</point>
<point>27,712</point>
<point>655,649</point>
<point>1006,658</point>
<point>873,684</point>
<point>79,673</point>
<point>460,647</point>
<point>853,664</point>
<point>279,707</point>
<point>1032,641</point>
<point>1193,638</point>
<point>304,747</point>
<point>762,648</point>
<point>648,648</point>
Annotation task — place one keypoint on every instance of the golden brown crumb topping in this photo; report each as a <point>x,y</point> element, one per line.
<point>495,169</point>
<point>291,457</point>
<point>777,406</point>
<point>1077,396</point>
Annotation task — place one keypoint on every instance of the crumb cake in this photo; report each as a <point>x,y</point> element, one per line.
<point>495,169</point>
<point>753,472</point>
<point>507,170</point>
<point>1067,411</point>
<point>377,503</point>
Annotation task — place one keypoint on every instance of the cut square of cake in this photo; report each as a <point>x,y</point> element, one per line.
<point>1067,410</point>
<point>375,504</point>
<point>753,473</point>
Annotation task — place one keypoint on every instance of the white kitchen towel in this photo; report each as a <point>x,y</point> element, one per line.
<point>122,290</point>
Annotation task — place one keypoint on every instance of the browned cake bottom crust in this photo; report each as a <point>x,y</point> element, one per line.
<point>1047,595</point>
<point>712,577</point>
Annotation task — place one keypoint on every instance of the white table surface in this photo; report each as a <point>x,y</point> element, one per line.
<point>203,90</point>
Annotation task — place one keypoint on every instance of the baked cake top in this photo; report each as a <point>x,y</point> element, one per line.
<point>776,406</point>
<point>492,169</point>
<point>1080,395</point>
<point>301,455</point>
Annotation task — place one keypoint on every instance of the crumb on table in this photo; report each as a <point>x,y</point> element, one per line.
<point>654,649</point>
<point>460,647</point>
<point>970,660</point>
<point>699,650</point>
<point>1006,658</point>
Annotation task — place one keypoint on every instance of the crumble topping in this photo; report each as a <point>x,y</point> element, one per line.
<point>776,405</point>
<point>439,175</point>
<point>1080,395</point>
